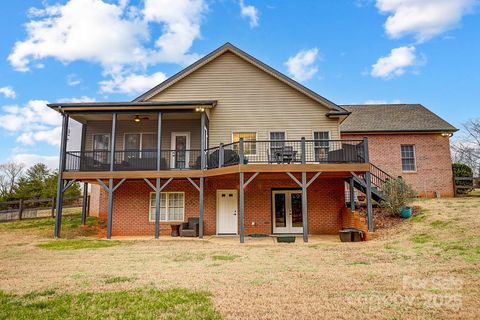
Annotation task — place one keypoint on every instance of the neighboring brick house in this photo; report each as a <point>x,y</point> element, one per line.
<point>406,140</point>
<point>229,141</point>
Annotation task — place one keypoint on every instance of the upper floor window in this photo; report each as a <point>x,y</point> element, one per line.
<point>321,145</point>
<point>250,146</point>
<point>408,158</point>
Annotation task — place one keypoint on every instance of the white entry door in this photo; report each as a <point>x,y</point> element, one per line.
<point>287,211</point>
<point>180,146</point>
<point>227,207</point>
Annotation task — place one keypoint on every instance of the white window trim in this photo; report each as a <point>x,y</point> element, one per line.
<point>414,158</point>
<point>246,131</point>
<point>150,208</point>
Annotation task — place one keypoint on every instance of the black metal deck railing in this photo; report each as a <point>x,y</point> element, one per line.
<point>258,151</point>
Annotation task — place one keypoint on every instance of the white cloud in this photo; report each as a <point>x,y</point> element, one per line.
<point>29,160</point>
<point>116,35</point>
<point>249,12</point>
<point>73,80</point>
<point>395,63</point>
<point>32,122</point>
<point>131,84</point>
<point>8,92</point>
<point>425,19</point>
<point>302,65</point>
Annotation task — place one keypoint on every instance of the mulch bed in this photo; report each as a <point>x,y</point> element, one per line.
<point>382,219</point>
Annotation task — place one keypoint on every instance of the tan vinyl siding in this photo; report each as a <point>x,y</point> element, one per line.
<point>145,126</point>
<point>250,100</point>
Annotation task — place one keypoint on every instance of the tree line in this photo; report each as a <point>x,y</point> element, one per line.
<point>36,182</point>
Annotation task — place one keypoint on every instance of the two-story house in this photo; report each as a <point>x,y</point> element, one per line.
<point>228,140</point>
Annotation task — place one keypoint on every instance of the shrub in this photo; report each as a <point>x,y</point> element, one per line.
<point>463,171</point>
<point>397,194</point>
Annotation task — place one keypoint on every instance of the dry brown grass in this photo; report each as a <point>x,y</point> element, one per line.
<point>264,280</point>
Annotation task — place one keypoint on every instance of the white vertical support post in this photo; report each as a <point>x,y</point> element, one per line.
<point>368,182</point>
<point>242,195</point>
<point>61,168</point>
<point>112,141</point>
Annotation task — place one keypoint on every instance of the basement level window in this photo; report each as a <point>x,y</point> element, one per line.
<point>172,206</point>
<point>409,163</point>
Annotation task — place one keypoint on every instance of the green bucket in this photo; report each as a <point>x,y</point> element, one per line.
<point>406,212</point>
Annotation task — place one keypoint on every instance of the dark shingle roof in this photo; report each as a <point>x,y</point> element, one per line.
<point>393,118</point>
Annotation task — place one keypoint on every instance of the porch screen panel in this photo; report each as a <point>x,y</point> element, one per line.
<point>149,145</point>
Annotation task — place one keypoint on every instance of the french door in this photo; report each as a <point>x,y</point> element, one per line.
<point>180,150</point>
<point>287,211</point>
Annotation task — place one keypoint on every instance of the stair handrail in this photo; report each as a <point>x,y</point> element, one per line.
<point>379,177</point>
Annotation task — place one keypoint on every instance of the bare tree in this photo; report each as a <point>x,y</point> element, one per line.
<point>10,173</point>
<point>466,150</point>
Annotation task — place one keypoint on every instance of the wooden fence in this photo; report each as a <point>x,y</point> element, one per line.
<point>464,184</point>
<point>38,208</point>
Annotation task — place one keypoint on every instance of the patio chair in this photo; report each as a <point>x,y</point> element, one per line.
<point>190,228</point>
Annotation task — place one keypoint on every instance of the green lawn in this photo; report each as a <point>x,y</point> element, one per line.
<point>77,244</point>
<point>126,304</point>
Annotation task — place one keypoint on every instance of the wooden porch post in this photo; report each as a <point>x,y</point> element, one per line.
<point>61,167</point>
<point>242,195</point>
<point>84,203</point>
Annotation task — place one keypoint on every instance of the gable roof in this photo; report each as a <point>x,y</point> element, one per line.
<point>393,118</point>
<point>228,47</point>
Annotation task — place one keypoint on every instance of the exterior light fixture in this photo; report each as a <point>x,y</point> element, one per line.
<point>199,109</point>
<point>447,134</point>
<point>137,118</point>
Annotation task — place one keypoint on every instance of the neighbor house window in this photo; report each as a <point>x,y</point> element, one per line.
<point>250,146</point>
<point>172,206</point>
<point>321,145</point>
<point>408,157</point>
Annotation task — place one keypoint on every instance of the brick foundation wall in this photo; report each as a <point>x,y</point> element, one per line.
<point>131,204</point>
<point>434,164</point>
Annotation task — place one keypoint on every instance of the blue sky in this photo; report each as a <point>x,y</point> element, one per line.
<point>355,51</point>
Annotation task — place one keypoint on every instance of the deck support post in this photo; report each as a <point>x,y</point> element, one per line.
<point>242,195</point>
<point>201,207</point>
<point>61,167</point>
<point>159,141</point>
<point>157,208</point>
<point>304,207</point>
<point>110,190</point>
<point>368,182</point>
<point>85,203</point>
<point>352,194</point>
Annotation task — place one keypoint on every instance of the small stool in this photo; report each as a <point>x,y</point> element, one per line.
<point>175,230</point>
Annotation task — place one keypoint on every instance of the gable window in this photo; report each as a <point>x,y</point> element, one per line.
<point>250,146</point>
<point>408,158</point>
<point>321,145</point>
<point>172,206</point>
